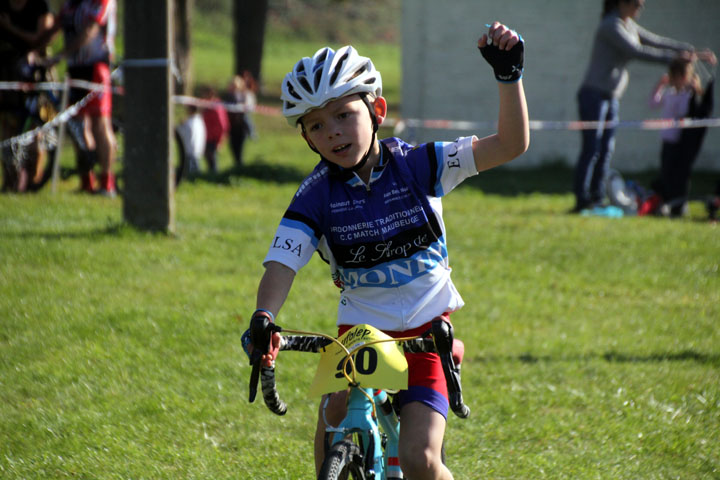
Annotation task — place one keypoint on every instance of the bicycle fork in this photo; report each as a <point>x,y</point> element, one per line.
<point>391,427</point>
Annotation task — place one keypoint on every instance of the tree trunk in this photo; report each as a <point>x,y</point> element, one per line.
<point>148,199</point>
<point>249,24</point>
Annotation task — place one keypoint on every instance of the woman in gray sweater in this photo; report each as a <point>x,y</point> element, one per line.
<point>618,40</point>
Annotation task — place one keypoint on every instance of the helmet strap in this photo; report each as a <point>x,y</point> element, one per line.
<point>373,117</point>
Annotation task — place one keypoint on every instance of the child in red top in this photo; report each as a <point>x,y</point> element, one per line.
<point>217,125</point>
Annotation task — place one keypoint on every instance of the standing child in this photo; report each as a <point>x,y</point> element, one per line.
<point>191,136</point>
<point>680,95</point>
<point>217,125</point>
<point>372,209</point>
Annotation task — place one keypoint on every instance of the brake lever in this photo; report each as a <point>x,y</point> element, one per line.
<point>443,337</point>
<point>254,379</point>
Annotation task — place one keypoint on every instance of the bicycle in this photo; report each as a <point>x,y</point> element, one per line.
<point>370,364</point>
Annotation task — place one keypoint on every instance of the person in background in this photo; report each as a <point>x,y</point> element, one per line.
<point>26,29</point>
<point>217,126</point>
<point>191,135</point>
<point>252,89</point>
<point>618,41</point>
<point>680,94</point>
<point>89,29</point>
<point>243,99</point>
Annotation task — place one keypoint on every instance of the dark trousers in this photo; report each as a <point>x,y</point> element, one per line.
<point>238,134</point>
<point>676,163</point>
<point>597,146</point>
<point>211,155</point>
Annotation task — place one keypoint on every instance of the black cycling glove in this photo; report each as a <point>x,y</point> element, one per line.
<point>507,64</point>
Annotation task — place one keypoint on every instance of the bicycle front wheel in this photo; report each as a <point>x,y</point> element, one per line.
<point>343,461</point>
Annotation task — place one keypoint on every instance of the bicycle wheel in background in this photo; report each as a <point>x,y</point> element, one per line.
<point>343,461</point>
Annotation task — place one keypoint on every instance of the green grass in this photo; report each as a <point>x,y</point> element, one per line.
<point>592,346</point>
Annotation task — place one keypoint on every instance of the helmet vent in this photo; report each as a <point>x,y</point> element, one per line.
<point>305,84</point>
<point>292,91</point>
<point>370,81</point>
<point>338,68</point>
<point>322,57</point>
<point>318,77</point>
<point>359,72</point>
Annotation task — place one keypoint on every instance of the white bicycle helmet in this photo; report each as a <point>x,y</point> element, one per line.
<point>327,76</point>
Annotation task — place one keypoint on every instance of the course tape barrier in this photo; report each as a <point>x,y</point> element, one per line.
<point>21,141</point>
<point>649,124</point>
<point>18,143</point>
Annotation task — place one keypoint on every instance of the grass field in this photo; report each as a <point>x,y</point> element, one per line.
<point>592,345</point>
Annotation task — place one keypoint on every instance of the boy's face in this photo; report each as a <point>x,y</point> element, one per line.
<point>341,131</point>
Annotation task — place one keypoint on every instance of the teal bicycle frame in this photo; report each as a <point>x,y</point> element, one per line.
<point>359,420</point>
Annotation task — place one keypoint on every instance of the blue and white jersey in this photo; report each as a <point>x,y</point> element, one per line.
<point>385,241</point>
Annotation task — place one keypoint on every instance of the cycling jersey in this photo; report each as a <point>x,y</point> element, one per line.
<point>385,241</point>
<point>75,16</point>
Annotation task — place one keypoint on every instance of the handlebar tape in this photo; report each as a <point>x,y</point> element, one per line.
<point>270,394</point>
<point>261,330</point>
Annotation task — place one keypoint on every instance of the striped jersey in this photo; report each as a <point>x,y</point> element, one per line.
<point>385,241</point>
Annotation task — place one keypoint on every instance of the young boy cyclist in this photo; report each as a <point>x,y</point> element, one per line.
<point>372,210</point>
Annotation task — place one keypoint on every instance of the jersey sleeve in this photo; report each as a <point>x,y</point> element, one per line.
<point>456,163</point>
<point>299,234</point>
<point>295,240</point>
<point>441,166</point>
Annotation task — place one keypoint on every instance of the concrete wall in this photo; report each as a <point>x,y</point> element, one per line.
<point>444,76</point>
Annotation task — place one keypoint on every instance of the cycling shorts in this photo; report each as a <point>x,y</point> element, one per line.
<point>101,103</point>
<point>426,379</point>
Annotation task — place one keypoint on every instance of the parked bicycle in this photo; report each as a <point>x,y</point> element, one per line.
<point>370,364</point>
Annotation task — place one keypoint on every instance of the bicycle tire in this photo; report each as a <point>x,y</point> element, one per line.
<point>343,461</point>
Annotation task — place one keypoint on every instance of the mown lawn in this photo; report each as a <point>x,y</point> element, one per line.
<point>592,344</point>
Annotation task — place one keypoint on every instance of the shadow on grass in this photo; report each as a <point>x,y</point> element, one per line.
<point>617,357</point>
<point>557,179</point>
<point>117,229</point>
<point>552,179</point>
<point>259,169</point>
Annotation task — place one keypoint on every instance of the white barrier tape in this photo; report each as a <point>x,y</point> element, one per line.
<point>21,141</point>
<point>30,86</point>
<point>50,86</point>
<point>199,102</point>
<point>399,125</point>
<point>649,124</point>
